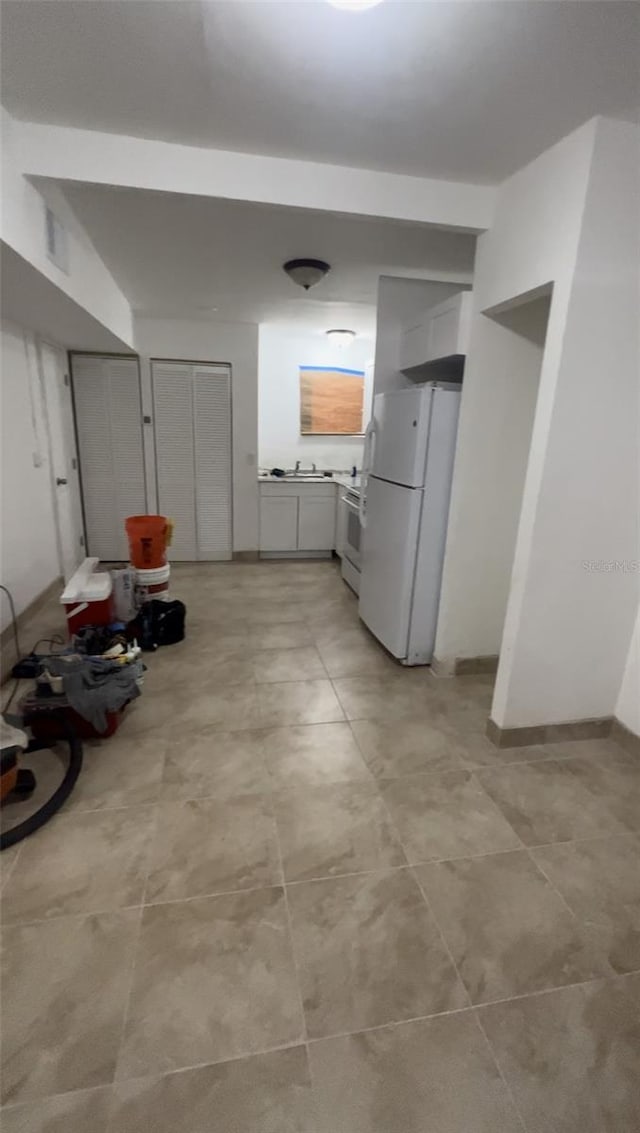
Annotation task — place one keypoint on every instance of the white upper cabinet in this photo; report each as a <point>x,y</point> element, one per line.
<point>443,333</point>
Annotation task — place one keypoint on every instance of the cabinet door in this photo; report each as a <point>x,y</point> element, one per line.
<point>443,335</point>
<point>317,523</point>
<point>279,523</point>
<point>414,346</point>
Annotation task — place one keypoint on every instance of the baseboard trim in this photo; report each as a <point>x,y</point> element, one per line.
<point>301,555</point>
<point>596,729</point>
<point>245,556</point>
<point>54,589</point>
<point>468,666</point>
<point>625,737</point>
<point>464,666</point>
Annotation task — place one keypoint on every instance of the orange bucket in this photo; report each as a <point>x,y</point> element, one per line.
<point>148,536</point>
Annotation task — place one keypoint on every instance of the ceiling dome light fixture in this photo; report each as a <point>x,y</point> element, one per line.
<point>354,5</point>
<point>306,273</point>
<point>341,338</point>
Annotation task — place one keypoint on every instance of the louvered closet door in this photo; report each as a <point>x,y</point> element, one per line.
<point>192,413</point>
<point>212,436</point>
<point>173,421</point>
<point>110,447</point>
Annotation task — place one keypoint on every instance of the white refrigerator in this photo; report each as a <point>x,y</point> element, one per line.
<point>404,507</point>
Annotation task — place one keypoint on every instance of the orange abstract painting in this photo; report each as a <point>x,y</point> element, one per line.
<point>331,400</point>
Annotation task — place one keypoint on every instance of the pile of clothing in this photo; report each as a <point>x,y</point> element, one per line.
<point>94,686</point>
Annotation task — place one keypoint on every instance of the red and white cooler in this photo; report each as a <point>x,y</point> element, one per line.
<point>87,597</point>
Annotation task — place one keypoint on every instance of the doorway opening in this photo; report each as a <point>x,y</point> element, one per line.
<point>520,330</point>
<point>65,476</point>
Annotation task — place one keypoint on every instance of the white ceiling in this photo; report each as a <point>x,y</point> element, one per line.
<point>179,256</point>
<point>467,90</point>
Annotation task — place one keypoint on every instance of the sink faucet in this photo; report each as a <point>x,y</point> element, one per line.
<point>297,465</point>
<point>314,468</point>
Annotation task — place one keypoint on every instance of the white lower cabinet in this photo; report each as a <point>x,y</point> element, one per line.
<point>278,523</point>
<point>297,517</point>
<point>316,523</point>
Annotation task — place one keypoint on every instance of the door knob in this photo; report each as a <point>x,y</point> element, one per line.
<point>61,480</point>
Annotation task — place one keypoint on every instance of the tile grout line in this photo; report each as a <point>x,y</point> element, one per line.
<point>553,887</point>
<point>127,1002</point>
<point>411,865</point>
<point>134,956</point>
<point>9,872</point>
<point>294,957</point>
<point>268,797</point>
<point>501,1075</point>
<point>444,940</point>
<point>473,1009</point>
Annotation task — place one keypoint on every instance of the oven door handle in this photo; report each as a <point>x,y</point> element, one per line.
<point>350,504</point>
<point>367,464</point>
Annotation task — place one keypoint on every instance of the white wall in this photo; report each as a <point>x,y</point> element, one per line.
<point>29,550</point>
<point>567,628</point>
<point>87,281</point>
<point>533,242</point>
<point>282,350</point>
<point>628,703</point>
<point>202,341</point>
<point>497,415</point>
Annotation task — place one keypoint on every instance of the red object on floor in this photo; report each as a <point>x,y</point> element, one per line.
<point>43,718</point>
<point>147,535</point>
<point>88,614</point>
<point>87,597</point>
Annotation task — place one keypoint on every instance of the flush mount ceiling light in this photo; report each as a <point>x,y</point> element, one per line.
<point>306,273</point>
<point>354,5</point>
<point>341,337</point>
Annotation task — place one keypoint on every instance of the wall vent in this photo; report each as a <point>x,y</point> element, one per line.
<point>56,240</point>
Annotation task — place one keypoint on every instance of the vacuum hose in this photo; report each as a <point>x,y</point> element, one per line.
<point>59,796</point>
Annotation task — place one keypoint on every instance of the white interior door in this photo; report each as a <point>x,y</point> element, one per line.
<point>64,458</point>
<point>106,392</point>
<point>388,562</point>
<point>192,422</point>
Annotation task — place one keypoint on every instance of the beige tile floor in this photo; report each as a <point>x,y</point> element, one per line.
<point>301,892</point>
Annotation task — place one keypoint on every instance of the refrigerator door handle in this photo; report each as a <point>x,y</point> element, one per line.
<point>367,464</point>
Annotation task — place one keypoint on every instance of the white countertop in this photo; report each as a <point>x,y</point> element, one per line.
<point>341,478</point>
<point>266,477</point>
<point>347,481</point>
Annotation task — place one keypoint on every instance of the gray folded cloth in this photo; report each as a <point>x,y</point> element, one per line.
<point>94,686</point>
